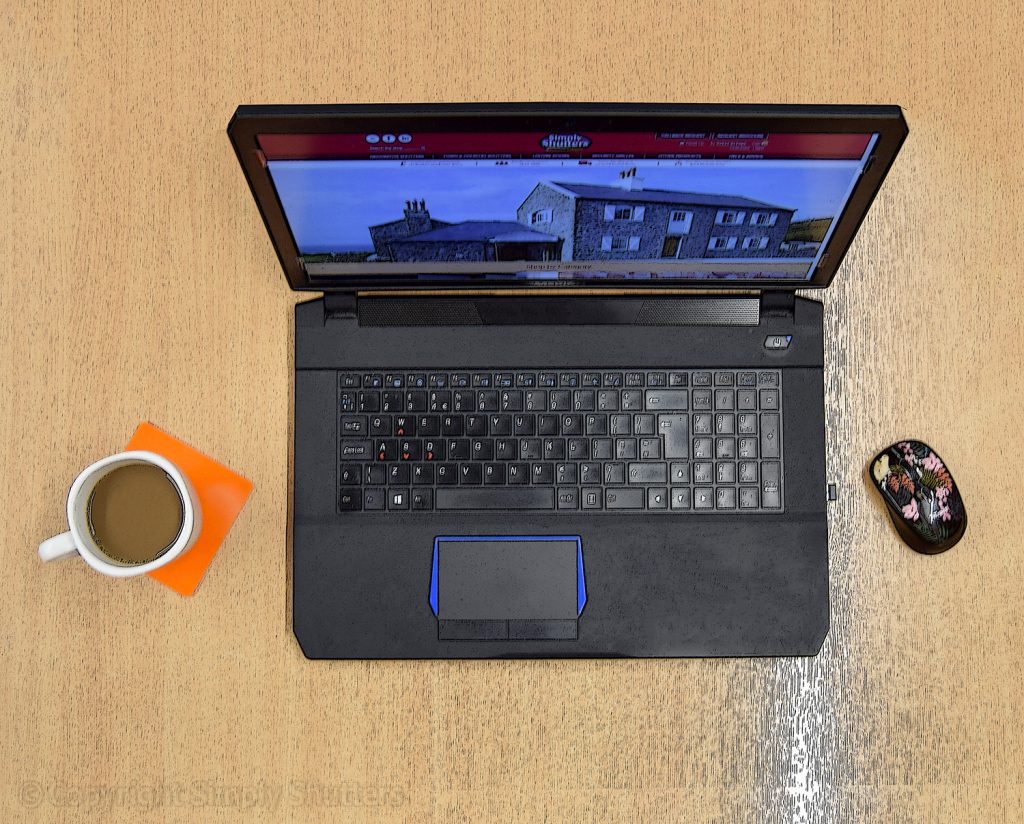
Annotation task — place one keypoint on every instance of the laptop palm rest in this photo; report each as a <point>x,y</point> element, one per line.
<point>507,588</point>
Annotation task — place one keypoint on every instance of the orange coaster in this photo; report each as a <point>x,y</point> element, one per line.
<point>221,492</point>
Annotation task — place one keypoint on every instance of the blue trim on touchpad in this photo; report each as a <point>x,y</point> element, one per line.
<point>581,583</point>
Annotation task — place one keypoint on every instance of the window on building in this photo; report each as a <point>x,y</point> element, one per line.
<point>670,247</point>
<point>614,212</point>
<point>727,217</point>
<point>755,242</point>
<point>620,244</point>
<point>763,218</point>
<point>763,243</point>
<point>679,221</point>
<point>540,216</point>
<point>718,242</point>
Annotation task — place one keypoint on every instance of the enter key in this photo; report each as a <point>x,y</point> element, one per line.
<point>676,431</point>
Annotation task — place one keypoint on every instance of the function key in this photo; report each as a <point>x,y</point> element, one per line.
<point>460,380</point>
<point>725,379</point>
<point>346,380</point>
<point>503,380</point>
<point>394,381</point>
<point>767,378</point>
<point>416,381</point>
<point>591,379</point>
<point>702,379</point>
<point>438,380</point>
<point>528,379</point>
<point>677,379</point>
<point>746,379</point>
<point>657,379</point>
<point>347,402</point>
<point>613,379</point>
<point>569,379</point>
<point>375,381</point>
<point>634,379</point>
<point>547,379</point>
<point>482,381</point>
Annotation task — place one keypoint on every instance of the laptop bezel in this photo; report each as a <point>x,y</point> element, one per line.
<point>250,121</point>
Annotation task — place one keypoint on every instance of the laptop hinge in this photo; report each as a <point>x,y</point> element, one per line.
<point>340,305</point>
<point>778,304</point>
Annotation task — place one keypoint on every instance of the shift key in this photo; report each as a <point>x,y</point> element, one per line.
<point>659,400</point>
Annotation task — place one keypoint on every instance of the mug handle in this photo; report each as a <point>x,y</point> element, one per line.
<point>57,547</point>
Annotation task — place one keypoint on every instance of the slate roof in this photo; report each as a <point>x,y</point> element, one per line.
<point>508,231</point>
<point>620,195</point>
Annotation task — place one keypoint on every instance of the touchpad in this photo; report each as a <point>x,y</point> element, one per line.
<point>487,588</point>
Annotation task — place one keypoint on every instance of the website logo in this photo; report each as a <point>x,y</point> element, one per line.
<point>565,141</point>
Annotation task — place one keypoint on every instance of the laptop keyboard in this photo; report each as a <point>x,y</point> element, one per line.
<point>666,441</point>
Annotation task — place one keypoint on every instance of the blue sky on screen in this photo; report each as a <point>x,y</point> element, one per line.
<point>330,203</point>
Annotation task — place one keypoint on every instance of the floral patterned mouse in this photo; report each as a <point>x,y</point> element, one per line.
<point>923,501</point>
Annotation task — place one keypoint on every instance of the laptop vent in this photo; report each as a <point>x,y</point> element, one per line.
<point>383,312</point>
<point>731,311</point>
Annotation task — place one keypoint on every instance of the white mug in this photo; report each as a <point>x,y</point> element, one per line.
<point>78,539</point>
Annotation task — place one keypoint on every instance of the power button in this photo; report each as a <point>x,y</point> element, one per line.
<point>777,341</point>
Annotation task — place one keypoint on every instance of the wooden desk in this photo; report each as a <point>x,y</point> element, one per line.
<point>139,284</point>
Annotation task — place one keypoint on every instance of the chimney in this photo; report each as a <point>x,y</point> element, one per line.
<point>417,218</point>
<point>630,182</point>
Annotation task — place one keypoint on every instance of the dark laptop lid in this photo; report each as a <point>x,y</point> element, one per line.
<point>496,196</point>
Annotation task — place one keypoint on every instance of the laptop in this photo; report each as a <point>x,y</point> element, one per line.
<point>558,397</point>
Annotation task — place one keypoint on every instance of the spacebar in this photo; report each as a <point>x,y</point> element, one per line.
<point>533,498</point>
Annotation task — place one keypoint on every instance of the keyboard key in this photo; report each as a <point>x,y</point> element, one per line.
<point>505,449</point>
<point>746,424</point>
<point>679,473</point>
<point>474,425</point>
<point>577,449</point>
<point>392,401</point>
<point>548,379</point>
<point>349,381</point>
<point>470,474</point>
<point>725,423</point>
<point>702,379</point>
<point>554,449</point>
<point>650,449</point>
<point>657,498</point>
<point>572,424</point>
<point>592,379</point>
<point>614,473</point>
<point>702,472</point>
<point>625,448</point>
<point>724,379</point>
<point>423,499</point>
<point>748,497</point>
<point>678,379</point>
<point>536,400</point>
<point>502,424</point>
<point>631,400</point>
<point>349,474</point>
<point>530,448</point>
<point>568,498</point>
<point>771,490</point>
<point>674,429</point>
<point>702,423</point>
<point>725,399</point>
<point>746,448</point>
<point>621,425</point>
<point>356,450</point>
<point>770,436</point>
<point>350,500</point>
<point>559,400</point>
<point>666,400</point>
<point>602,449</point>
<point>398,499</point>
<point>607,401</point>
<point>511,499</point>
<point>398,474</point>
<point>746,379</point>
<point>494,474</point>
<point>644,425</point>
<point>725,498</point>
<point>368,402</point>
<point>624,498</point>
<point>416,401</point>
<point>518,474</point>
<point>483,449</point>
<point>746,400</point>
<point>423,474</point>
<point>770,399</point>
<point>570,379</point>
<point>512,400</point>
<point>464,400</point>
<point>566,473</point>
<point>353,426</point>
<point>703,498</point>
<point>595,424</point>
<point>680,498</point>
<point>702,399</point>
<point>748,473</point>
<point>725,472</point>
<point>725,448</point>
<point>634,379</point>
<point>542,473</point>
<point>583,400</point>
<point>404,425</point>
<point>657,379</point>
<point>547,424</point>
<point>459,449</point>
<point>428,425</point>
<point>590,473</point>
<point>487,400</point>
<point>376,474</point>
<point>592,498</point>
<point>447,474</point>
<point>375,499</point>
<point>648,473</point>
<point>702,447</point>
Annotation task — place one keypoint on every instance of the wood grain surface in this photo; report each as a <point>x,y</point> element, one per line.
<point>138,283</point>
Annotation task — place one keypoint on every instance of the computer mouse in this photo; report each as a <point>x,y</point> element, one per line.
<point>921,496</point>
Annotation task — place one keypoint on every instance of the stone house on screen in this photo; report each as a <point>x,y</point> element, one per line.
<point>419,237</point>
<point>629,222</point>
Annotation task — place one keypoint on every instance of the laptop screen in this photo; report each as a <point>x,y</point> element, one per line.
<point>465,207</point>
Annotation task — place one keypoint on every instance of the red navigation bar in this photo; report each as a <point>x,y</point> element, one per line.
<point>400,145</point>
